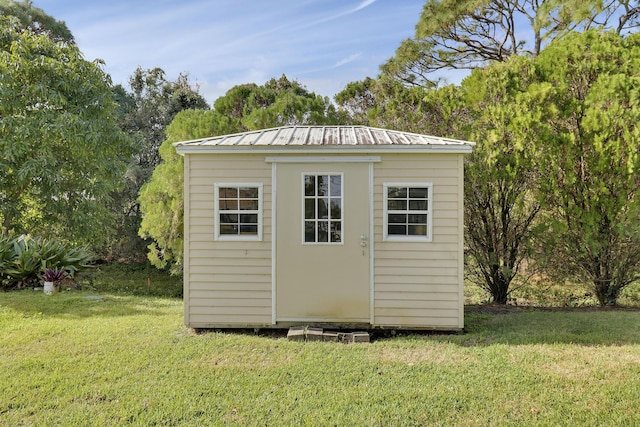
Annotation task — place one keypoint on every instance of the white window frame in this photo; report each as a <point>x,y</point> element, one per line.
<point>216,198</point>
<point>405,238</point>
<point>342,198</point>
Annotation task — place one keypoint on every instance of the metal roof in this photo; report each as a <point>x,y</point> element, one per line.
<point>323,139</point>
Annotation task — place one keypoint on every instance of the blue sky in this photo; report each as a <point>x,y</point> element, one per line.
<point>323,44</point>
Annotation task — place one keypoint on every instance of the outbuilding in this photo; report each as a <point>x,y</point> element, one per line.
<point>347,226</point>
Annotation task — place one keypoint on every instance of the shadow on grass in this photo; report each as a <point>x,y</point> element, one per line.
<point>588,326</point>
<point>75,304</point>
<point>514,326</point>
<point>484,325</point>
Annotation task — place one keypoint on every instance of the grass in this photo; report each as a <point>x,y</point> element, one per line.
<point>127,359</point>
<point>553,295</point>
<point>131,279</point>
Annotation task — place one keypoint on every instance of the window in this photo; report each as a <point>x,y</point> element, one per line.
<point>322,208</point>
<point>407,213</point>
<point>238,211</point>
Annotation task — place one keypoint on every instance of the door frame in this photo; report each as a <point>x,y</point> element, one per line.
<point>274,215</point>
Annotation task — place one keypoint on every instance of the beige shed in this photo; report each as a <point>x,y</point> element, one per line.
<point>346,226</point>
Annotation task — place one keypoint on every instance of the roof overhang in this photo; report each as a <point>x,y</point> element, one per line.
<point>306,149</point>
<point>323,140</point>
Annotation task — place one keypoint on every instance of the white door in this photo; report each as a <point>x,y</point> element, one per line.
<point>322,242</point>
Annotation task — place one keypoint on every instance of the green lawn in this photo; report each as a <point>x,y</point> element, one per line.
<point>70,360</point>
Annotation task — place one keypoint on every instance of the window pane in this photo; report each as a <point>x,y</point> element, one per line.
<point>336,208</point>
<point>228,218</point>
<point>323,231</point>
<point>336,232</point>
<point>248,228</point>
<point>309,209</point>
<point>238,210</point>
<point>397,218</point>
<point>417,230</point>
<point>323,209</point>
<point>397,192</point>
<point>418,205</point>
<point>248,193</point>
<point>398,229</point>
<point>228,193</point>
<point>309,231</point>
<point>419,193</point>
<point>323,185</point>
<point>249,219</point>
<point>408,211</point>
<point>249,205</point>
<point>417,219</point>
<point>309,185</point>
<point>228,204</point>
<point>397,205</point>
<point>336,186</point>
<point>228,229</point>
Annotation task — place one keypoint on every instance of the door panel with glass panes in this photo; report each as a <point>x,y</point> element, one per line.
<point>322,242</point>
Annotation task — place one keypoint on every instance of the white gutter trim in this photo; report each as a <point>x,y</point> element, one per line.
<point>307,149</point>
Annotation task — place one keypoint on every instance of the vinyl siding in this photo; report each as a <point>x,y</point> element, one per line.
<point>419,284</point>
<point>227,283</point>
<point>415,284</point>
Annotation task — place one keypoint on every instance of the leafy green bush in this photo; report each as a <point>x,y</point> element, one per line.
<point>6,256</point>
<point>24,258</point>
<point>24,262</point>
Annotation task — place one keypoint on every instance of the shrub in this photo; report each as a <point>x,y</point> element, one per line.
<point>6,256</point>
<point>23,259</point>
<point>23,264</point>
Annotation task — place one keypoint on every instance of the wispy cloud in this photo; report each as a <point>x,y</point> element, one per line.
<point>362,5</point>
<point>325,44</point>
<point>348,59</point>
<point>344,13</point>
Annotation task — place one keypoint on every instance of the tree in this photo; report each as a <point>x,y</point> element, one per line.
<point>144,114</point>
<point>36,20</point>
<point>278,102</point>
<point>157,101</point>
<point>62,151</point>
<point>467,34</point>
<point>358,100</point>
<point>584,115</point>
<point>500,178</point>
<point>161,199</point>
<point>387,103</point>
<point>245,107</point>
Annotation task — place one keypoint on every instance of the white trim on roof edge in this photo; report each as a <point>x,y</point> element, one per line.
<point>323,149</point>
<point>327,139</point>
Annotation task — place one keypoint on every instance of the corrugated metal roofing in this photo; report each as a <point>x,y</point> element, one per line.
<point>321,136</point>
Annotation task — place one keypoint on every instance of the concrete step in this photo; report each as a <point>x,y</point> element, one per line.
<point>308,333</point>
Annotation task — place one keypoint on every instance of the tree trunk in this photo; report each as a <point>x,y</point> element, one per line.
<point>5,224</point>
<point>499,286</point>
<point>606,291</point>
<point>500,297</point>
